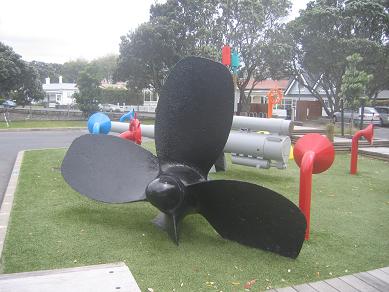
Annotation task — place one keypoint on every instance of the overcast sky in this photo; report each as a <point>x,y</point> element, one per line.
<point>59,31</point>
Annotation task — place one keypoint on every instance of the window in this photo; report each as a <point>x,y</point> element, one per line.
<point>147,96</point>
<point>154,96</point>
<point>285,103</point>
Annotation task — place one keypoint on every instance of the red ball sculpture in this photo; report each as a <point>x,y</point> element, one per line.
<point>313,153</point>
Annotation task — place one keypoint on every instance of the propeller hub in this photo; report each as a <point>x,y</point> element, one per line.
<point>166,193</point>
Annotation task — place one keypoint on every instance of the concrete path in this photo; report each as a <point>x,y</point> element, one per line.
<point>104,278</point>
<point>13,142</point>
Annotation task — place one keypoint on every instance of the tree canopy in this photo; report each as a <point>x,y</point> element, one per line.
<point>89,95</point>
<point>328,31</point>
<point>179,28</point>
<point>18,80</point>
<point>354,81</point>
<point>51,70</point>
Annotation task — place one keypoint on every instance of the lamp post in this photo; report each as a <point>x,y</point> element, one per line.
<point>342,116</point>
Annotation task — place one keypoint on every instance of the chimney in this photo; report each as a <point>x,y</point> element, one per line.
<point>60,79</point>
<point>48,80</point>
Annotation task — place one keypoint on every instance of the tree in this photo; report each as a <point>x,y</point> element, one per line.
<point>328,31</point>
<point>11,66</point>
<point>179,28</point>
<point>146,56</point>
<point>72,69</point>
<point>29,88</point>
<point>104,67</point>
<point>18,80</point>
<point>250,27</point>
<point>354,82</point>
<point>51,70</point>
<point>114,96</point>
<point>89,94</point>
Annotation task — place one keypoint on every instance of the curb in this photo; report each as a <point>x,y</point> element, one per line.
<point>6,206</point>
<point>42,129</point>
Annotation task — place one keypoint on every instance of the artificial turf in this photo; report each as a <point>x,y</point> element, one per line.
<point>51,124</point>
<point>41,124</point>
<point>52,226</point>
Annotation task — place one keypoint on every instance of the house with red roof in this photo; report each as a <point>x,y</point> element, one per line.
<point>296,99</point>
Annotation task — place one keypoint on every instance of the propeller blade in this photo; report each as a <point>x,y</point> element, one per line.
<point>251,215</point>
<point>194,114</point>
<point>109,169</point>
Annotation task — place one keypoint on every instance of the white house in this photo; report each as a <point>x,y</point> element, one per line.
<point>59,93</point>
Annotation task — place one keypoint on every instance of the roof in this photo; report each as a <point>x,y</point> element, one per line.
<point>384,94</point>
<point>268,84</point>
<point>60,86</point>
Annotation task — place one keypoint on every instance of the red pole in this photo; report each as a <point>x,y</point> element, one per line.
<point>306,169</point>
<point>354,153</point>
<point>368,133</point>
<point>313,153</point>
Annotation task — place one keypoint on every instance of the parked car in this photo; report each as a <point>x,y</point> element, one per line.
<point>370,115</point>
<point>9,104</point>
<point>107,107</point>
<point>384,114</point>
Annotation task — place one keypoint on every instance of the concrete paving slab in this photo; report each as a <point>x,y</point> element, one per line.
<point>382,150</point>
<point>105,278</point>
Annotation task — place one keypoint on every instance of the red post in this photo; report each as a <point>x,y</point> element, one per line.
<point>306,169</point>
<point>313,153</point>
<point>368,133</point>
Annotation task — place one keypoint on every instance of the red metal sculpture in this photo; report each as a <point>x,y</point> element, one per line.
<point>134,132</point>
<point>368,133</point>
<point>274,96</point>
<point>313,153</point>
<point>226,55</point>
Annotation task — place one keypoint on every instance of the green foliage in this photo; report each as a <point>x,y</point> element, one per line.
<point>251,27</point>
<point>51,70</point>
<point>18,80</point>
<point>104,67</point>
<point>71,70</point>
<point>31,124</point>
<point>89,95</point>
<point>11,67</point>
<point>181,28</point>
<point>114,96</point>
<point>326,32</point>
<point>145,56</point>
<point>354,82</point>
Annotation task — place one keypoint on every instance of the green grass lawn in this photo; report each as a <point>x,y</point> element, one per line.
<point>42,124</point>
<point>54,227</point>
<point>53,124</point>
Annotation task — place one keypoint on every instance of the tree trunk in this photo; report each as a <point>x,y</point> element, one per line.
<point>352,122</point>
<point>244,102</point>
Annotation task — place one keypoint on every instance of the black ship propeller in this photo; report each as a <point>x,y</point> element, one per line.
<point>193,121</point>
